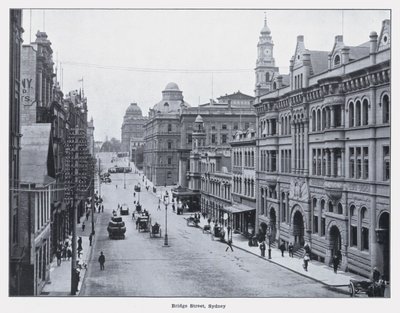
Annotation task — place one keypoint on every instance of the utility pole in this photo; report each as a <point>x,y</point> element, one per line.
<point>73,259</point>
<point>99,178</point>
<point>92,209</point>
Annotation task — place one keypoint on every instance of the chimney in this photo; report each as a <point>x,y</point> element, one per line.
<point>345,55</point>
<point>373,39</point>
<point>307,67</point>
<point>338,38</point>
<point>300,38</point>
<point>329,61</point>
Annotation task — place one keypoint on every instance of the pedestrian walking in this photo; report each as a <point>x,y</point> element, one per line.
<point>98,208</point>
<point>80,243</point>
<point>229,243</point>
<point>335,262</point>
<point>282,248</point>
<point>58,257</point>
<point>102,260</point>
<point>116,186</point>
<point>306,259</point>
<point>102,208</point>
<point>290,248</point>
<point>307,249</point>
<point>87,214</point>
<point>69,253</point>
<point>83,226</point>
<point>262,249</point>
<point>90,239</point>
<point>134,194</point>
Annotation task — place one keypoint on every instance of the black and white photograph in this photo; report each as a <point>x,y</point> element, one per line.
<point>197,155</point>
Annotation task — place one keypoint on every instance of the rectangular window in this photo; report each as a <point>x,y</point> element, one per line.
<point>169,145</point>
<point>169,127</point>
<point>189,138</point>
<point>224,138</point>
<point>353,236</point>
<point>169,161</point>
<point>224,126</point>
<point>365,238</point>
<point>213,137</point>
<point>365,169</point>
<point>323,226</point>
<point>213,127</point>
<point>235,126</point>
<point>246,125</point>
<point>386,163</point>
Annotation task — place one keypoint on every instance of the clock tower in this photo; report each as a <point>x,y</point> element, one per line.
<point>265,65</point>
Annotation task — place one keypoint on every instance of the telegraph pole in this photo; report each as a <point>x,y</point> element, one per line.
<point>73,259</point>
<point>92,209</point>
<point>99,178</point>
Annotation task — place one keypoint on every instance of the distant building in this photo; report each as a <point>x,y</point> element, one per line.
<point>132,129</point>
<point>162,137</point>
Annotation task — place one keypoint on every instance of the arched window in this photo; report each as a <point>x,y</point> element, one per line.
<point>318,120</point>
<point>351,114</point>
<point>352,211</point>
<point>267,77</point>
<point>365,112</point>
<point>337,60</point>
<point>364,229</point>
<point>358,113</point>
<point>289,126</point>
<point>282,126</point>
<point>340,208</point>
<point>322,205</point>
<point>330,206</point>
<point>323,119</point>
<point>385,109</point>
<point>313,120</point>
<point>274,86</point>
<point>283,201</point>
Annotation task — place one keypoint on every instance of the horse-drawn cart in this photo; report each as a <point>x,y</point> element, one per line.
<point>143,223</point>
<point>192,221</point>
<point>370,288</point>
<point>155,230</point>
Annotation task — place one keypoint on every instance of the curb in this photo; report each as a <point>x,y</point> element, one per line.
<point>88,259</point>
<point>331,287</point>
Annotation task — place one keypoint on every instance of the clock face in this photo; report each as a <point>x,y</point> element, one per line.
<point>267,51</point>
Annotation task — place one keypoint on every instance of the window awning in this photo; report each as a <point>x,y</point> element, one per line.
<point>237,208</point>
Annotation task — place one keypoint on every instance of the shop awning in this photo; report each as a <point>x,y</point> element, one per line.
<point>237,208</point>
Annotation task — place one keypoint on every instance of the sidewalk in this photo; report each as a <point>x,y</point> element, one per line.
<point>316,270</point>
<point>60,276</point>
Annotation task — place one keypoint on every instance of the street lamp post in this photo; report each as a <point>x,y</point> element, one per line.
<point>269,234</point>
<point>166,202</point>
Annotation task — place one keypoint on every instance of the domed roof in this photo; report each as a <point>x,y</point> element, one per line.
<point>133,109</point>
<point>265,29</point>
<point>171,86</point>
<point>199,119</point>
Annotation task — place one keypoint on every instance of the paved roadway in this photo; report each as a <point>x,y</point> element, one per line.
<point>192,266</point>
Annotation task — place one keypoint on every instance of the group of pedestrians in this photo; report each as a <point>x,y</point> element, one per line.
<point>64,251</point>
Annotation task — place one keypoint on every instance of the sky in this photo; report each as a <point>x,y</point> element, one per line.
<point>129,56</point>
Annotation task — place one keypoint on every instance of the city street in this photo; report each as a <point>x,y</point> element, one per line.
<point>192,266</point>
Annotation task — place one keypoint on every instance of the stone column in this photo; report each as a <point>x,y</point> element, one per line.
<point>293,148</point>
<point>332,116</point>
<point>342,116</point>
<point>306,152</point>
<point>343,162</point>
<point>332,152</point>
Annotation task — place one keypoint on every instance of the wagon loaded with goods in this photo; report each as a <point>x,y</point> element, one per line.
<point>116,228</point>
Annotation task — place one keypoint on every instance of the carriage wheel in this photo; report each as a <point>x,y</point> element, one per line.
<point>351,289</point>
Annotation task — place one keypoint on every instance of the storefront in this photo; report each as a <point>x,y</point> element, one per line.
<point>241,218</point>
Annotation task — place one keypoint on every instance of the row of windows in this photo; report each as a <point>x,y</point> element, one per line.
<point>249,160</point>
<point>358,162</point>
<point>217,188</point>
<point>244,186</point>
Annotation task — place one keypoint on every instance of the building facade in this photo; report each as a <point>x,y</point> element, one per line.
<point>221,120</point>
<point>162,137</point>
<point>15,248</point>
<point>36,199</point>
<point>323,175</point>
<point>132,130</point>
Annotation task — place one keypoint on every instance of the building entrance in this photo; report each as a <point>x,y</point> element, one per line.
<point>384,225</point>
<point>335,240</point>
<point>298,229</point>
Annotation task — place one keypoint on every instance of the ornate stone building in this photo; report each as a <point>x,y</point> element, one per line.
<point>323,175</point>
<point>220,120</point>
<point>162,137</point>
<point>132,129</point>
